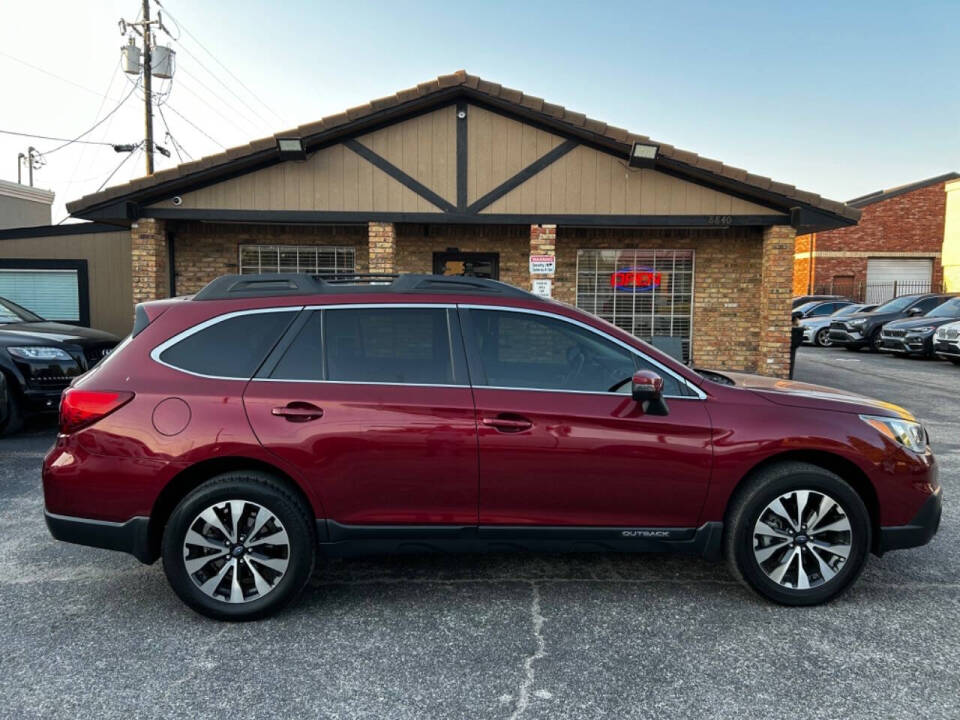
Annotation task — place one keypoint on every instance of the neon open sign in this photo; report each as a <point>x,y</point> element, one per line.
<point>636,280</point>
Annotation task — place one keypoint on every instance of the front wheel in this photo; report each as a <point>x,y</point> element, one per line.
<point>822,338</point>
<point>239,547</point>
<point>13,415</point>
<point>797,534</point>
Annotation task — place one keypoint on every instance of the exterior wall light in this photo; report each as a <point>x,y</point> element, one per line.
<point>643,155</point>
<point>291,148</point>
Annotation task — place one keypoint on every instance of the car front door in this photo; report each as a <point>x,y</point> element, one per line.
<point>373,406</point>
<point>561,440</point>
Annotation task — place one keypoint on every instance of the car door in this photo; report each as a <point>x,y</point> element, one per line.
<point>561,440</point>
<point>372,404</point>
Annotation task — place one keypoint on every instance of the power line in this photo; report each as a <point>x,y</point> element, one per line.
<point>55,139</point>
<point>202,99</point>
<point>194,126</point>
<point>95,125</point>
<point>181,26</point>
<point>122,163</point>
<point>53,75</point>
<point>176,145</point>
<point>226,104</point>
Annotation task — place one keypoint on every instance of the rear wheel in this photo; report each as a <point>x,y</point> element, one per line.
<point>797,534</point>
<point>822,338</point>
<point>239,547</point>
<point>13,414</point>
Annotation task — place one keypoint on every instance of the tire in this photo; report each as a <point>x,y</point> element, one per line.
<point>875,341</point>
<point>955,361</point>
<point>271,574</point>
<point>822,338</point>
<point>852,348</point>
<point>757,567</point>
<point>14,414</point>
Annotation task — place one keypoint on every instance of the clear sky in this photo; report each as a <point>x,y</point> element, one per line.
<point>841,98</point>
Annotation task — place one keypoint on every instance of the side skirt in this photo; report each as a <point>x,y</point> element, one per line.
<point>339,540</point>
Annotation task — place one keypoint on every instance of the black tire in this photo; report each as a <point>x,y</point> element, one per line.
<point>749,504</point>
<point>875,341</point>
<point>955,361</point>
<point>14,414</point>
<point>269,493</point>
<point>822,338</point>
<point>852,348</point>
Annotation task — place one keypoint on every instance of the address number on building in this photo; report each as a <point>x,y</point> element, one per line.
<point>543,264</point>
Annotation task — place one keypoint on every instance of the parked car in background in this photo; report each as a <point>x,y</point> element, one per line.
<point>39,359</point>
<point>863,329</point>
<point>914,336</point>
<point>816,329</point>
<point>820,308</point>
<point>946,342</point>
<point>271,420</point>
<point>803,299</point>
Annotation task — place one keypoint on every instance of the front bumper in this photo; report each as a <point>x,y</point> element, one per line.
<point>919,531</point>
<point>905,344</point>
<point>842,336</point>
<point>947,349</point>
<point>130,537</point>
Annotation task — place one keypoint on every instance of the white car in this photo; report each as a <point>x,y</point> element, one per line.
<point>946,342</point>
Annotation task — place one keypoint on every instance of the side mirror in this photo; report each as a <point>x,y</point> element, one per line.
<point>915,312</point>
<point>647,389</point>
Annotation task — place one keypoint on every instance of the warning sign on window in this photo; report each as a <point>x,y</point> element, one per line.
<point>543,264</point>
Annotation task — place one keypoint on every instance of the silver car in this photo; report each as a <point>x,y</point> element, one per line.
<point>816,329</point>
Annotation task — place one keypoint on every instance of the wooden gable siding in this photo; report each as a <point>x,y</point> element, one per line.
<point>424,147</point>
<point>590,182</point>
<point>334,179</point>
<point>498,148</point>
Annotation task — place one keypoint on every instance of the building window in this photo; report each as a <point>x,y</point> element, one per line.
<point>313,259</point>
<point>648,293</point>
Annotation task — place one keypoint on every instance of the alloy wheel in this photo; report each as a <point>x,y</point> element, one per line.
<point>823,337</point>
<point>802,539</point>
<point>236,551</point>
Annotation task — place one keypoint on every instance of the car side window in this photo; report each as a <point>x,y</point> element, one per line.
<point>303,359</point>
<point>524,350</point>
<point>388,345</point>
<point>927,304</point>
<point>230,348</point>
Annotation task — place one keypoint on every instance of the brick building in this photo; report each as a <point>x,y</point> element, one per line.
<point>463,176</point>
<point>895,249</point>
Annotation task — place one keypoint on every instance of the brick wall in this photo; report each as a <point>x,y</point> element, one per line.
<point>203,251</point>
<point>911,223</point>
<point>726,291</point>
<point>149,260</point>
<point>773,346</point>
<point>383,245</point>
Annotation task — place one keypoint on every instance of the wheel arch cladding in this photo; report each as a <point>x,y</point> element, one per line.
<point>192,477</point>
<point>840,466</point>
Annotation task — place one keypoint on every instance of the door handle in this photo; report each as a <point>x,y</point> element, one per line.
<point>298,412</point>
<point>508,424</point>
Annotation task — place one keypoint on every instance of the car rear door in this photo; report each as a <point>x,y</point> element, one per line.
<point>560,445</point>
<point>373,405</point>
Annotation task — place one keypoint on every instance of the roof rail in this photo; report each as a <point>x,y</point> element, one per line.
<point>228,287</point>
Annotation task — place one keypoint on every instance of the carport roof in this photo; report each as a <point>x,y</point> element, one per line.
<point>258,153</point>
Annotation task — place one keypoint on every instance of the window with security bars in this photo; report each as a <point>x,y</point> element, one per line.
<point>648,293</point>
<point>313,259</point>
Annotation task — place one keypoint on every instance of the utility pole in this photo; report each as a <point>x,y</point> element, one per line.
<point>147,86</point>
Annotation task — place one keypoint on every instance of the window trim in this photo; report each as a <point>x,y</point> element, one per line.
<point>210,322</point>
<point>698,394</point>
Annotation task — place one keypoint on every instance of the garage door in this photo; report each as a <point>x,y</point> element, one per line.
<point>51,294</point>
<point>891,277</point>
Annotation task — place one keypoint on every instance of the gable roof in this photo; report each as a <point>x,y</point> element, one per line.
<point>816,210</point>
<point>881,195</point>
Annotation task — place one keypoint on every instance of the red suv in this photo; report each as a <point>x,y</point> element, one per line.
<point>269,419</point>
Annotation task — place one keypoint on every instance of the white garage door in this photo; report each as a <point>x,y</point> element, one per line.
<point>51,294</point>
<point>891,277</point>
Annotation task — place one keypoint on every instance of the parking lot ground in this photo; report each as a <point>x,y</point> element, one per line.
<point>90,633</point>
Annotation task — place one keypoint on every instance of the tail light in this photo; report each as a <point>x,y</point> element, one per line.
<point>80,408</point>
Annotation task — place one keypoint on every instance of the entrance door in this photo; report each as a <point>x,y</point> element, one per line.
<point>561,440</point>
<point>471,264</point>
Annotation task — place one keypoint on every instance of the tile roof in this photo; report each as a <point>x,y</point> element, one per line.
<point>558,116</point>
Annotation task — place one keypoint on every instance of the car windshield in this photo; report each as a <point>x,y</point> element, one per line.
<point>951,308</point>
<point>10,312</point>
<point>897,304</point>
<point>848,310</point>
<point>806,306</point>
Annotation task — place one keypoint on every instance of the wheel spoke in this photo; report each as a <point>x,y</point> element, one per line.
<point>236,515</point>
<point>841,549</point>
<point>765,553</point>
<point>802,497</point>
<point>277,538</point>
<point>840,525</point>
<point>195,538</point>
<point>210,517</point>
<point>278,564</point>
<point>763,528</point>
<point>261,518</point>
<point>236,592</point>
<point>803,580</point>
<point>195,564</point>
<point>825,570</point>
<point>780,570</point>
<point>826,505</point>
<point>211,585</point>
<point>263,587</point>
<point>777,508</point>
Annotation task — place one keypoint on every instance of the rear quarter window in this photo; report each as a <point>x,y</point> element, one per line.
<point>229,348</point>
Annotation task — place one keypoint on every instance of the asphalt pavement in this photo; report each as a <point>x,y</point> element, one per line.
<point>91,633</point>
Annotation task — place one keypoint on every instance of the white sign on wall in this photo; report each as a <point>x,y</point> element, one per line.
<point>542,287</point>
<point>543,264</point>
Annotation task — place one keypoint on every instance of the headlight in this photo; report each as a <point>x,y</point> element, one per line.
<point>38,352</point>
<point>909,434</point>
<point>856,323</point>
<point>923,330</point>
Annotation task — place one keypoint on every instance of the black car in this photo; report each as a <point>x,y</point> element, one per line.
<point>804,299</point>
<point>38,359</point>
<point>863,329</point>
<point>914,336</point>
<point>819,308</point>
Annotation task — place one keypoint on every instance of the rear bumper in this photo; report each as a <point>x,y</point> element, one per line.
<point>130,537</point>
<point>919,531</point>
